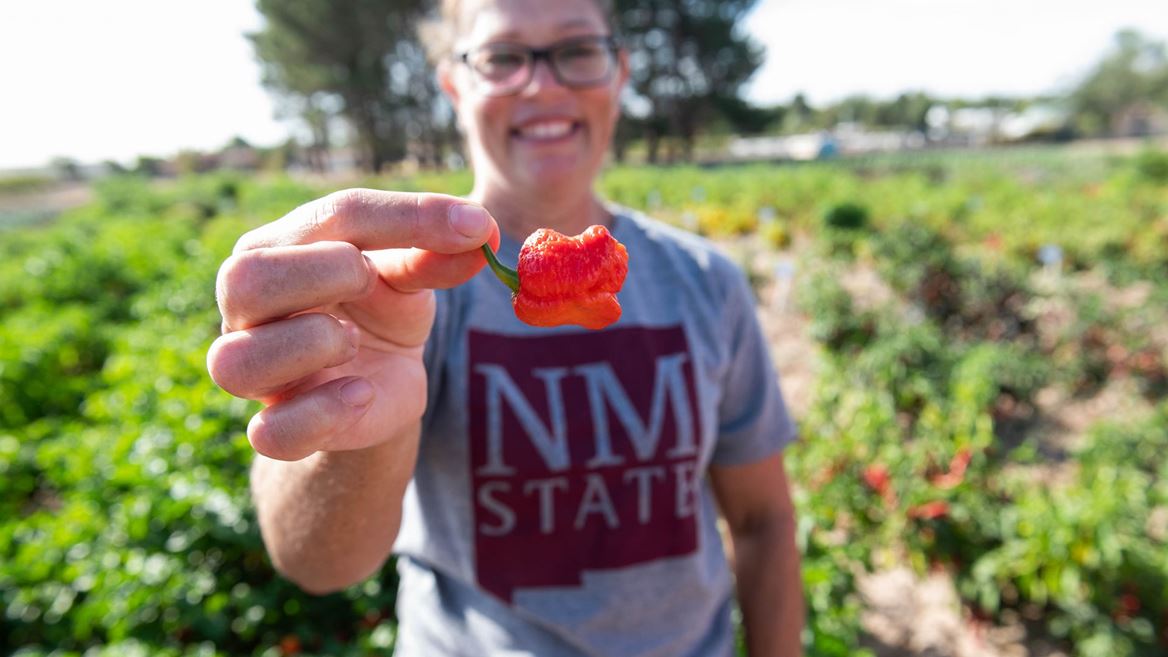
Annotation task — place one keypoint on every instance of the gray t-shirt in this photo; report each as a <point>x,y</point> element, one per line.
<point>559,505</point>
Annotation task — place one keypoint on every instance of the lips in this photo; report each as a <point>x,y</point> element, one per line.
<point>543,130</point>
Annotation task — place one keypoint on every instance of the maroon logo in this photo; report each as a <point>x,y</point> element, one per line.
<point>584,452</point>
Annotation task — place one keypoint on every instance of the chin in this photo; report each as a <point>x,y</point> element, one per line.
<point>554,172</point>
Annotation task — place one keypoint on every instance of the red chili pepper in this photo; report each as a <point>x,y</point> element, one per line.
<point>566,280</point>
<point>877,478</point>
<point>930,510</point>
<point>956,472</point>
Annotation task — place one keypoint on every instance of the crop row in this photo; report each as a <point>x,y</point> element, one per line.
<point>125,522</point>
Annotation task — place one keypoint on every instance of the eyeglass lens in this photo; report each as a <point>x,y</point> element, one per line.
<point>506,68</point>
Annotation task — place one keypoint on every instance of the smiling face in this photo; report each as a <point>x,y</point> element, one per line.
<point>546,139</point>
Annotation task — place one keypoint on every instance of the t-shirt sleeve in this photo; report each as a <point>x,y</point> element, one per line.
<point>753,420</point>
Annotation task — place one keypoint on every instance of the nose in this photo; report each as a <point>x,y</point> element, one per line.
<point>542,77</point>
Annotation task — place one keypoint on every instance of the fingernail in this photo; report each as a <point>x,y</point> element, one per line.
<point>357,393</point>
<point>468,220</point>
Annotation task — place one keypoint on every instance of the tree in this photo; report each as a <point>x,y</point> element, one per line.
<point>358,59</point>
<point>238,142</point>
<point>744,118</point>
<point>1136,71</point>
<point>66,169</point>
<point>688,61</point>
<point>908,110</point>
<point>113,167</point>
<point>150,167</point>
<point>800,115</point>
<point>854,109</point>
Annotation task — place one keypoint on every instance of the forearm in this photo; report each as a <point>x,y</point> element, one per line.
<point>770,588</point>
<point>330,520</point>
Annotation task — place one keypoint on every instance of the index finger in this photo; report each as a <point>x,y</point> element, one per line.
<point>372,219</point>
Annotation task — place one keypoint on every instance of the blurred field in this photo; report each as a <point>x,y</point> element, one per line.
<point>25,201</point>
<point>975,344</point>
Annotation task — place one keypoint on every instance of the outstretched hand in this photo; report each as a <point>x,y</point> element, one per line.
<point>326,313</point>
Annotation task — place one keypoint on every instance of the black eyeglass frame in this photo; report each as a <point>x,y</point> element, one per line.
<point>534,55</point>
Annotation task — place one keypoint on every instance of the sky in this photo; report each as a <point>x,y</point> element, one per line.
<point>830,49</point>
<point>114,79</point>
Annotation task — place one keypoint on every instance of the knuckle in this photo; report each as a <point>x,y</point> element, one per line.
<point>246,242</point>
<point>429,209</point>
<point>321,329</point>
<point>338,206</point>
<point>355,270</point>
<point>424,205</point>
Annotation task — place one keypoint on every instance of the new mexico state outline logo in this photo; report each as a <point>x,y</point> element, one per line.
<point>583,454</point>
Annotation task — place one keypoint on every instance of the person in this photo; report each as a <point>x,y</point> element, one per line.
<point>551,492</point>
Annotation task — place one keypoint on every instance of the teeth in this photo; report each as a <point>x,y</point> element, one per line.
<point>546,129</point>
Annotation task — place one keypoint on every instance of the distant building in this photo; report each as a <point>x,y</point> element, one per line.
<point>786,147</point>
<point>966,126</point>
<point>239,158</point>
<point>1036,120</point>
<point>980,126</point>
<point>845,139</point>
<point>1140,120</point>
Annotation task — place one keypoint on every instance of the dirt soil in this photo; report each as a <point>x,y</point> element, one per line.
<point>56,198</point>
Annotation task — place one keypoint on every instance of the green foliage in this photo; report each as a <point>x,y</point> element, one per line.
<point>1090,553</point>
<point>842,226</point>
<point>126,526</point>
<point>832,605</point>
<point>50,355</point>
<point>835,323</point>
<point>846,216</point>
<point>1152,166</point>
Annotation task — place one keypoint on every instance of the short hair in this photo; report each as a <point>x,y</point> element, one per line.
<point>438,31</point>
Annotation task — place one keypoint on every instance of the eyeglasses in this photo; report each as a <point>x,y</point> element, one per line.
<point>502,69</point>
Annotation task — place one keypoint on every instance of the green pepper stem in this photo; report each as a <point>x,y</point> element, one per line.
<point>509,276</point>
